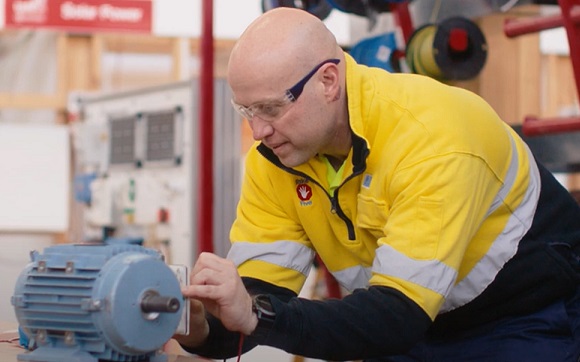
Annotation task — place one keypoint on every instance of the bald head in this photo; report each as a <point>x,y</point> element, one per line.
<point>281,43</point>
<point>277,51</point>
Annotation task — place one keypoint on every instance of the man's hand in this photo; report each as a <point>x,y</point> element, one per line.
<point>216,283</point>
<point>198,326</point>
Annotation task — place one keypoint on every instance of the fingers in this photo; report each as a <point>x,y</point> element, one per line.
<point>211,269</point>
<point>201,292</point>
<point>211,261</point>
<point>216,283</point>
<point>211,277</point>
<point>208,284</point>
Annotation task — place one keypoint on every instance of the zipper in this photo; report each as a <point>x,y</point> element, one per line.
<point>334,204</point>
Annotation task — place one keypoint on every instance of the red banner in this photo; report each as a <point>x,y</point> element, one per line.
<point>81,15</point>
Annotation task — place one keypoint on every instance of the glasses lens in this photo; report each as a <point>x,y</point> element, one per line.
<point>242,111</point>
<point>267,111</point>
<point>270,111</point>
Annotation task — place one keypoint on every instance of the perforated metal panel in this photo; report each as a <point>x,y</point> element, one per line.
<point>122,140</point>
<point>160,136</point>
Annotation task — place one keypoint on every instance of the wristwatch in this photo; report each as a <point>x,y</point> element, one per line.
<point>262,306</point>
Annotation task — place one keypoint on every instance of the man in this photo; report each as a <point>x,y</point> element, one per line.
<point>455,243</point>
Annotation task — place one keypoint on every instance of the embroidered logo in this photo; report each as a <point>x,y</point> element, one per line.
<point>367,178</point>
<point>304,193</point>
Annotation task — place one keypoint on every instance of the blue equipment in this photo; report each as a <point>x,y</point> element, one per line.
<point>82,187</point>
<point>114,301</point>
<point>377,51</point>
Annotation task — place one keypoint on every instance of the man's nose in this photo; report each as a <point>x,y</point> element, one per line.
<point>260,128</point>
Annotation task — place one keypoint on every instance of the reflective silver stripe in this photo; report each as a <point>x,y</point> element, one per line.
<point>502,249</point>
<point>508,181</point>
<point>431,274</point>
<point>353,277</point>
<point>287,254</point>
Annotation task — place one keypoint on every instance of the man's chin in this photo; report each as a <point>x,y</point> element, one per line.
<point>292,161</point>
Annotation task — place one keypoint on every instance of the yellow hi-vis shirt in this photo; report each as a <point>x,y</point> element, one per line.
<point>436,194</point>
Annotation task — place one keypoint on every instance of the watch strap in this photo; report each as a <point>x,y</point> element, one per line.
<point>262,307</point>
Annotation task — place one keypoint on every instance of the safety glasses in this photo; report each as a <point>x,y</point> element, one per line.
<point>271,110</point>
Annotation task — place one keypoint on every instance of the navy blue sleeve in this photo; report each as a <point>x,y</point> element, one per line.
<point>372,322</point>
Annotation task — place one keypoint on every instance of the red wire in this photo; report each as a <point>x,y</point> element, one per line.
<point>240,347</point>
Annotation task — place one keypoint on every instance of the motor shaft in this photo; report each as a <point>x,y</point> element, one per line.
<point>152,302</point>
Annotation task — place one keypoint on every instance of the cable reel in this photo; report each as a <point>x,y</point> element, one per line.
<point>455,49</point>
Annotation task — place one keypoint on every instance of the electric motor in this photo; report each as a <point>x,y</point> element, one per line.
<point>114,301</point>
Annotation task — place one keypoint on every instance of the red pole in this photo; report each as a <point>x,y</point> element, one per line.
<point>572,27</point>
<point>402,17</point>
<point>206,104</point>
<point>534,127</point>
<point>516,27</point>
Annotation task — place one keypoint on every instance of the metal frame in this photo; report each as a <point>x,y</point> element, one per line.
<point>570,20</point>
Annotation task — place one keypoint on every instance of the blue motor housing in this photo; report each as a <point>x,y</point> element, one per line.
<point>115,301</point>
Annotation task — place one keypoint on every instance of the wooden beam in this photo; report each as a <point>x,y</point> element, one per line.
<point>180,56</point>
<point>96,55</point>
<point>62,45</point>
<point>560,88</point>
<point>131,43</point>
<point>218,44</point>
<point>32,101</point>
<point>528,76</point>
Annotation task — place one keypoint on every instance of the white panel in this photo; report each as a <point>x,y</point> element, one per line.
<point>554,41</point>
<point>173,187</point>
<point>350,29</point>
<point>183,17</point>
<point>101,211</point>
<point>35,185</point>
<point>340,24</point>
<point>232,17</point>
<point>158,184</point>
<point>227,149</point>
<point>177,17</point>
<point>150,197</point>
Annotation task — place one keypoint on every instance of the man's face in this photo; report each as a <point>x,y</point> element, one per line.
<point>293,124</point>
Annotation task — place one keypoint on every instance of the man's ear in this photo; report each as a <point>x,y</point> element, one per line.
<point>331,81</point>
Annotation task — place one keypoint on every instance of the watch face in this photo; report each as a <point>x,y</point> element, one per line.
<point>263,307</point>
